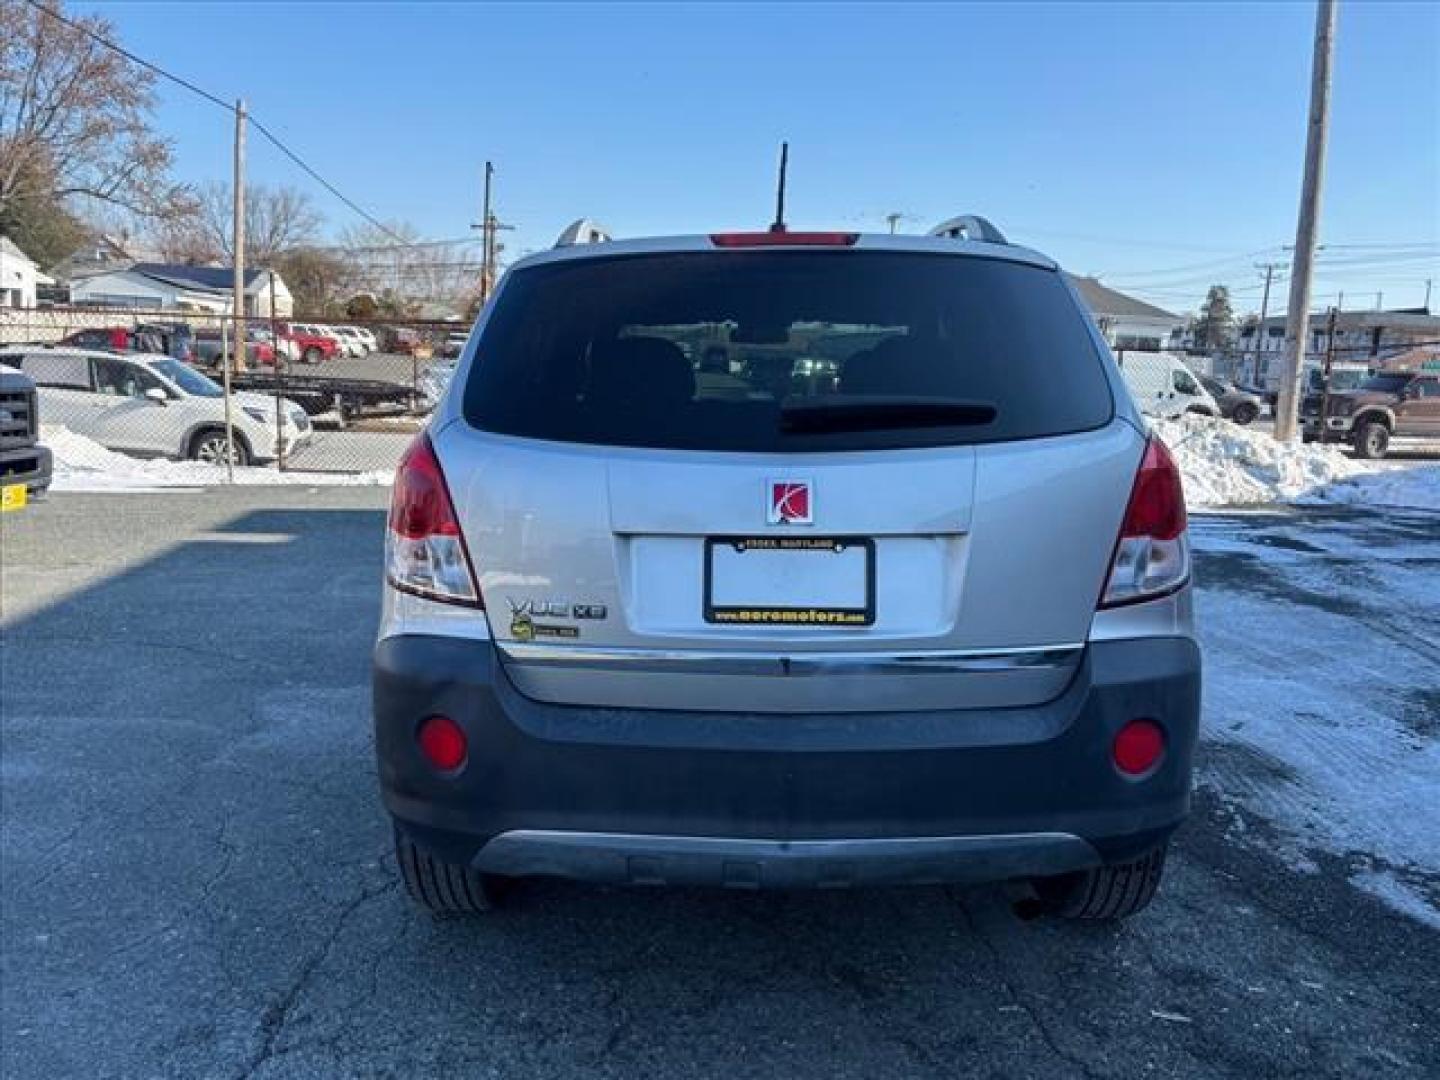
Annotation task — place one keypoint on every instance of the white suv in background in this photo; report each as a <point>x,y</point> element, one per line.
<point>349,339</point>
<point>155,406</point>
<point>367,338</point>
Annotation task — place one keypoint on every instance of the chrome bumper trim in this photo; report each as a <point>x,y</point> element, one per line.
<point>791,663</point>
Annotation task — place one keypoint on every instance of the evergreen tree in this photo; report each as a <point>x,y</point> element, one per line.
<point>1214,328</point>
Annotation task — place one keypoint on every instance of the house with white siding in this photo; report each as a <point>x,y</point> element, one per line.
<point>19,276</point>
<point>1128,323</point>
<point>146,286</point>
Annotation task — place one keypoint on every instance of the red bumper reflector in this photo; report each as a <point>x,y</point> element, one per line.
<point>442,742</point>
<point>1138,746</point>
<point>783,239</point>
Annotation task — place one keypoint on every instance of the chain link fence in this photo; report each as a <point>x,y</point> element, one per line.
<point>304,394</point>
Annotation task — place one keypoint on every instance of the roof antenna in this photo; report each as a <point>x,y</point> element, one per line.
<point>778,225</point>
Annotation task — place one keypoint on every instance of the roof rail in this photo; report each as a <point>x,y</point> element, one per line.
<point>583,231</point>
<point>970,227</point>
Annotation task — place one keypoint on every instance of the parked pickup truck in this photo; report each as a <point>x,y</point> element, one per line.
<point>1388,404</point>
<point>312,348</point>
<point>24,464</point>
<point>208,350</point>
<point>167,339</point>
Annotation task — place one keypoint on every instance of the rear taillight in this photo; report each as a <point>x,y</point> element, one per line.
<point>424,551</point>
<point>782,238</point>
<point>1152,556</point>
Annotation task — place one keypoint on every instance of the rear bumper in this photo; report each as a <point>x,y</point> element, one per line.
<point>624,795</point>
<point>28,465</point>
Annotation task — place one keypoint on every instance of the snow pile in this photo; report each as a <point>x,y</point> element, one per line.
<point>82,464</point>
<point>1224,464</point>
<point>1227,465</point>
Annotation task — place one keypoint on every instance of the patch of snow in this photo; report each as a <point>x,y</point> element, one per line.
<point>82,464</point>
<point>1224,464</point>
<point>1400,896</point>
<point>1416,487</point>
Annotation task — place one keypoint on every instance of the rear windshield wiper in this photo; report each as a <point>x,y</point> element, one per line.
<point>867,413</point>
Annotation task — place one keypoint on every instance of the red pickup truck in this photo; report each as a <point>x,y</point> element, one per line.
<point>311,348</point>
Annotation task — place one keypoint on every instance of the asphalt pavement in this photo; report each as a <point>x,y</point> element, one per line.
<point>196,879</point>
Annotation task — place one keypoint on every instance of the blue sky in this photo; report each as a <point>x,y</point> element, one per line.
<point>1158,145</point>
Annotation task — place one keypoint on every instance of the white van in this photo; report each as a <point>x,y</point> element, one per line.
<point>155,406</point>
<point>1163,386</point>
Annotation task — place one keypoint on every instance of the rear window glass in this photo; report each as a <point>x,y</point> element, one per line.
<point>58,370</point>
<point>786,351</point>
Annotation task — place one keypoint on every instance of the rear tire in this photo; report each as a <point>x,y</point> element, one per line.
<point>1372,439</point>
<point>1109,892</point>
<point>209,446</point>
<point>443,887</point>
<point>313,355</point>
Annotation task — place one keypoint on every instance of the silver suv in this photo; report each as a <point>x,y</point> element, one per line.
<point>787,559</point>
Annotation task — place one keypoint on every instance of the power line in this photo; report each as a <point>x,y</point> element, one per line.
<point>1238,257</point>
<point>1157,245</point>
<point>215,100</point>
<point>263,130</point>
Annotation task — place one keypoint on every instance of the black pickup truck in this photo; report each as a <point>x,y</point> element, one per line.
<point>24,463</point>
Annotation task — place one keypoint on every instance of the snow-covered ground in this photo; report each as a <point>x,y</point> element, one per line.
<point>1227,465</point>
<point>1322,692</point>
<point>81,464</point>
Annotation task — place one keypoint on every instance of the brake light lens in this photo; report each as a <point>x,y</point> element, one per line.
<point>1138,746</point>
<point>424,549</point>
<point>1152,555</point>
<point>443,743</point>
<point>778,238</point>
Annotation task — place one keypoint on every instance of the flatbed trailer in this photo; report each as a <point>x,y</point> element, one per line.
<point>348,399</point>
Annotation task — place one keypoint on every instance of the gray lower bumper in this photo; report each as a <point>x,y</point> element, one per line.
<point>803,798</point>
<point>28,465</point>
<point>631,859</point>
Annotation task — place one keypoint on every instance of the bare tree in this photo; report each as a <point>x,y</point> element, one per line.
<point>318,279</point>
<point>277,220</point>
<point>410,268</point>
<point>75,118</point>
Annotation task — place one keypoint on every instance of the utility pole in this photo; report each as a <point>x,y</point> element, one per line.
<point>239,298</point>
<point>1325,375</point>
<point>894,220</point>
<point>1427,294</point>
<point>487,237</point>
<point>1297,322</point>
<point>1269,269</point>
<point>280,367</point>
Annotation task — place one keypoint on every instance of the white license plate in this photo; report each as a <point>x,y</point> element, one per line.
<point>790,581</point>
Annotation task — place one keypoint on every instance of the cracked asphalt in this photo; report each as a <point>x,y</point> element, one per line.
<point>195,876</point>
